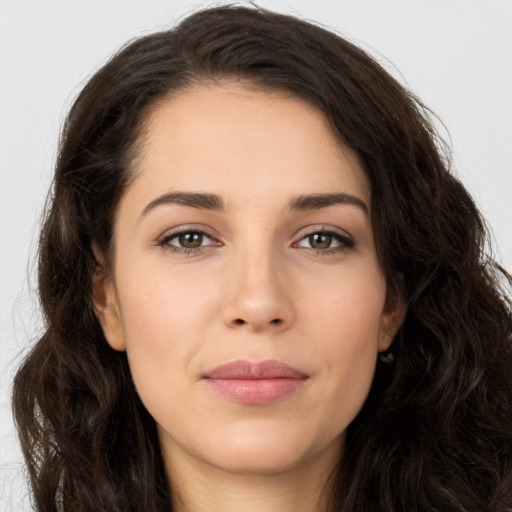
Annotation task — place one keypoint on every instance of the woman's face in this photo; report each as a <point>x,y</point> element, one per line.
<point>246,288</point>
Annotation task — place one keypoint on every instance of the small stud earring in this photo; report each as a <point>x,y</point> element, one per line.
<point>387,358</point>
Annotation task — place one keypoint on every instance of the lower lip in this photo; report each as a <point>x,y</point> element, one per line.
<point>255,391</point>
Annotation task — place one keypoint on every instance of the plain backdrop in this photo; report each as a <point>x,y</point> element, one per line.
<point>454,54</point>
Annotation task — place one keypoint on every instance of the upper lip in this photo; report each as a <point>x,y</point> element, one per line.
<point>248,370</point>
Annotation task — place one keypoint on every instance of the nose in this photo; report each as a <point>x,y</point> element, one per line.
<point>258,294</point>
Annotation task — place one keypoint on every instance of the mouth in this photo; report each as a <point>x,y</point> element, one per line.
<point>251,383</point>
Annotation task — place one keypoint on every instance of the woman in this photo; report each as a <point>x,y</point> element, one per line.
<point>263,289</point>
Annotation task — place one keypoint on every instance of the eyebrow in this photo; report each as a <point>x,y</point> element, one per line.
<point>318,201</point>
<point>192,199</point>
<point>206,201</point>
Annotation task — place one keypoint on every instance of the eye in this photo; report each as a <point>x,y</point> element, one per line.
<point>186,241</point>
<point>325,241</point>
<point>190,240</point>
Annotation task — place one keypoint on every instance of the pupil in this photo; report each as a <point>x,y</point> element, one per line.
<point>320,241</point>
<point>190,240</point>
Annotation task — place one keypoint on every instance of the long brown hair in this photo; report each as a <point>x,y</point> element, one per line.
<point>436,430</point>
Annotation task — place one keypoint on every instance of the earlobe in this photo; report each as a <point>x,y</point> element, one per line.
<point>391,322</point>
<point>106,309</point>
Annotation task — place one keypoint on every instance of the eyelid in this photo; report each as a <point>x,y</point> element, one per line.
<point>347,241</point>
<point>323,228</point>
<point>185,228</point>
<point>171,233</point>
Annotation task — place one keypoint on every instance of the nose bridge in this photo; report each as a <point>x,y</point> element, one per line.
<point>258,295</point>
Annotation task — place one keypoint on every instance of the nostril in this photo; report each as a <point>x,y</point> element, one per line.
<point>276,321</point>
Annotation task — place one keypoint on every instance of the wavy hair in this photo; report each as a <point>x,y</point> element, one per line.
<point>435,433</point>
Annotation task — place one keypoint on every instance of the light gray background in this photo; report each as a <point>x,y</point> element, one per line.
<point>455,54</point>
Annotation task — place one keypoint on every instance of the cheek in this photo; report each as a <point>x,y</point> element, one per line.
<point>164,322</point>
<point>159,307</point>
<point>347,319</point>
<point>349,306</point>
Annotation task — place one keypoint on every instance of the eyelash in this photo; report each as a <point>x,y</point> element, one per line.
<point>345,242</point>
<point>164,241</point>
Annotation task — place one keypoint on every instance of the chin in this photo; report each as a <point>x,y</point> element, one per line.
<point>271,451</point>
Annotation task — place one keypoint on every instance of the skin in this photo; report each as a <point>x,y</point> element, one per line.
<point>257,287</point>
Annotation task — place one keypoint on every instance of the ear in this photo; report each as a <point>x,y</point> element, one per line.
<point>392,318</point>
<point>106,306</point>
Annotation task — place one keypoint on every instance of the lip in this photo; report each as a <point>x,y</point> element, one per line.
<point>255,383</point>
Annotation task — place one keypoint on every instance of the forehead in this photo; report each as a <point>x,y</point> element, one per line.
<point>230,139</point>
